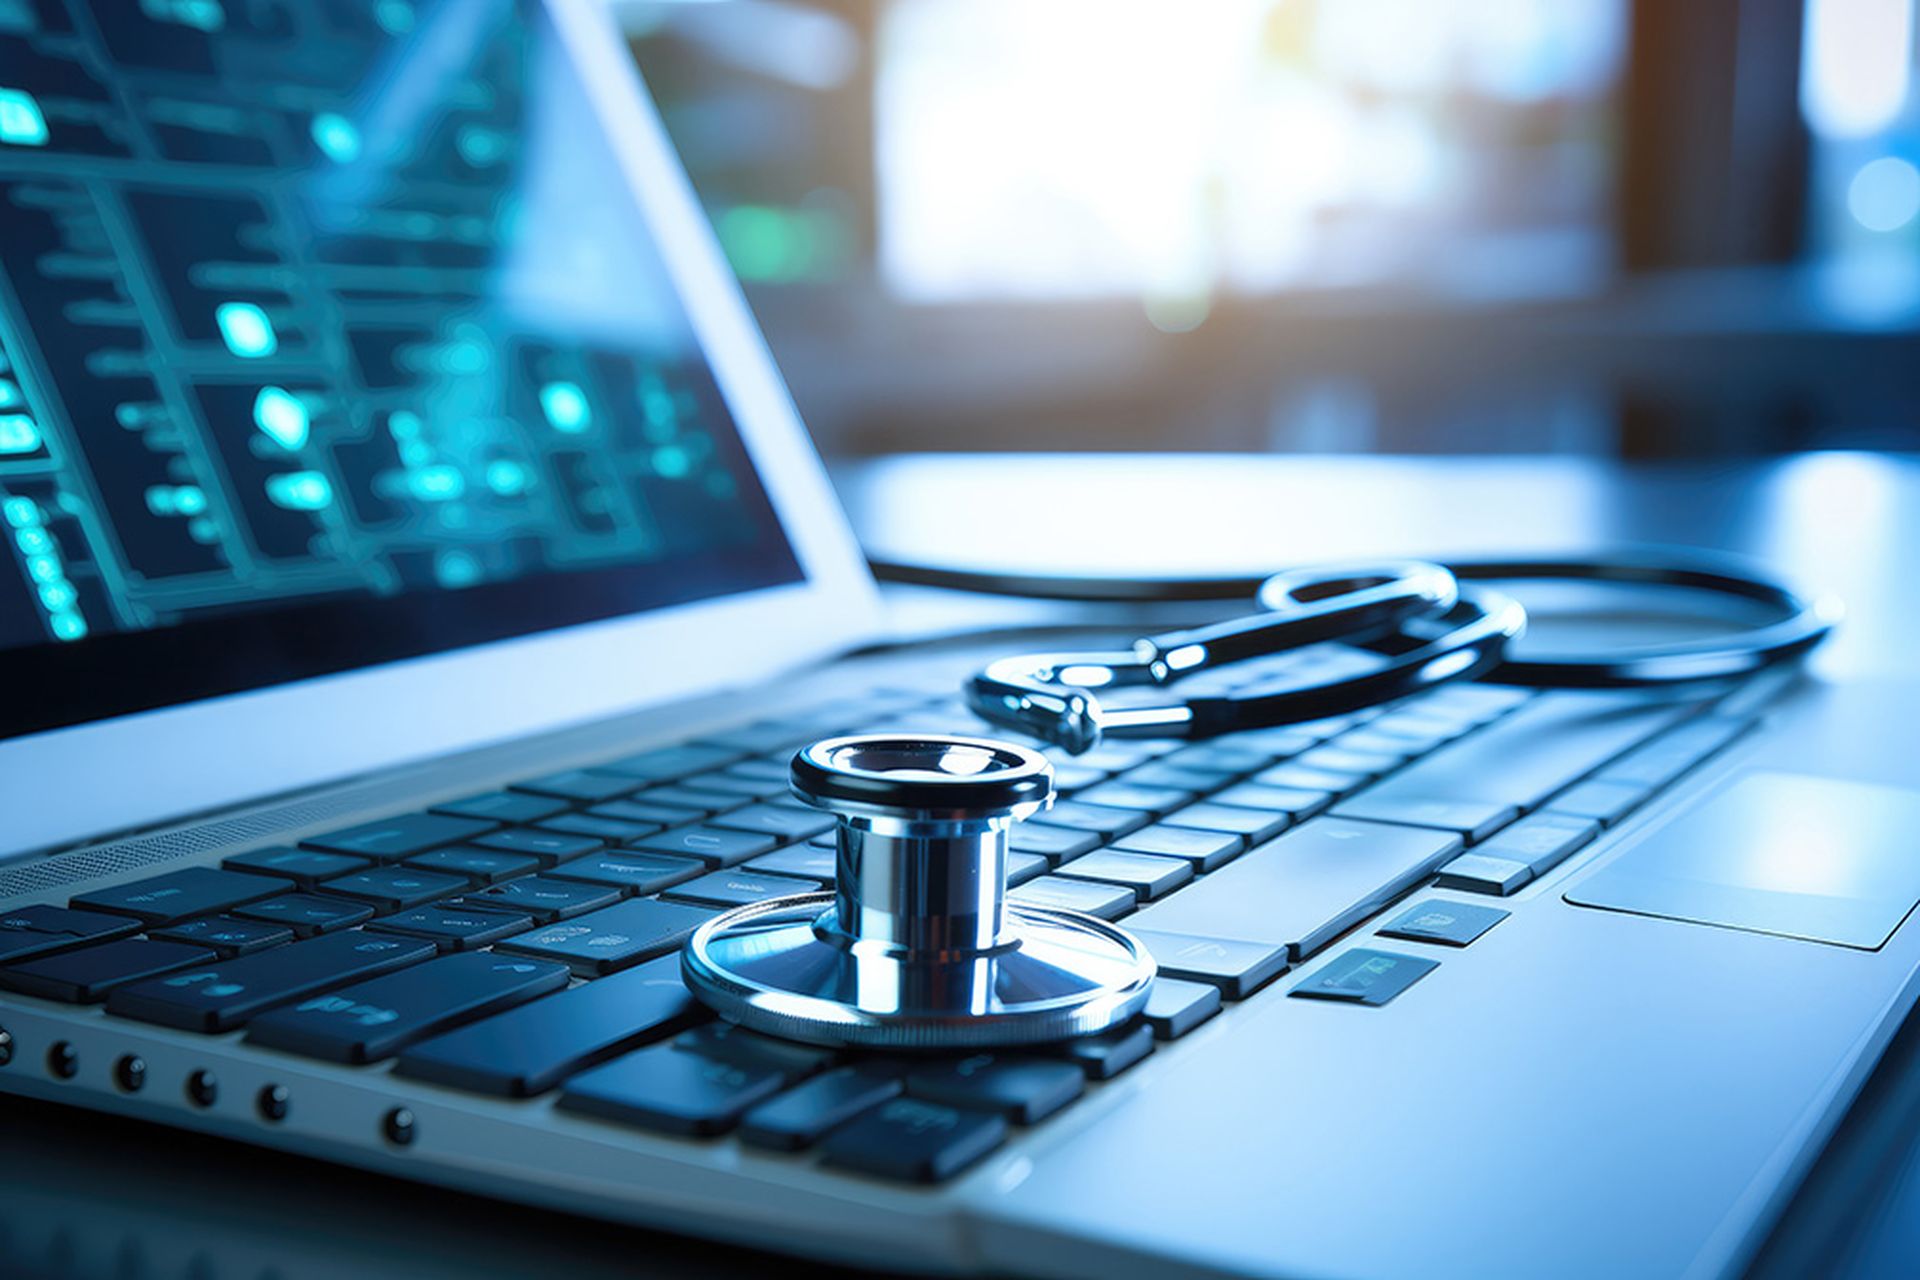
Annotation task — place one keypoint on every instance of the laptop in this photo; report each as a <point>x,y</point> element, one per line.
<point>418,581</point>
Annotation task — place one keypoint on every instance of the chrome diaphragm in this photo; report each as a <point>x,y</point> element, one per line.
<point>917,947</point>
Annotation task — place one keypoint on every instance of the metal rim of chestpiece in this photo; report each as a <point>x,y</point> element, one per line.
<point>917,947</point>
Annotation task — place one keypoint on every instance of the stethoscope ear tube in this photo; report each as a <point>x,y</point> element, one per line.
<point>1429,628</point>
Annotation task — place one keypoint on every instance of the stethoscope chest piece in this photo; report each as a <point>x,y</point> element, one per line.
<point>918,946</point>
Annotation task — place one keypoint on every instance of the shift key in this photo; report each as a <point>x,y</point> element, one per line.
<point>225,994</point>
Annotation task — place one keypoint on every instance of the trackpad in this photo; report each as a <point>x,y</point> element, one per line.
<point>1813,858</point>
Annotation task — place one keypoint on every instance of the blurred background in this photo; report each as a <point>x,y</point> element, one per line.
<point>1633,228</point>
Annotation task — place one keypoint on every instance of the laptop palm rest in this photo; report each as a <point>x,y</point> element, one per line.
<point>1779,853</point>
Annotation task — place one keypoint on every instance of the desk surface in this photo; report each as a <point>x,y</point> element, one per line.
<point>87,1196</point>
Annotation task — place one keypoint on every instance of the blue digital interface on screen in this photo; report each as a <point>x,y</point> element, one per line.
<point>309,300</point>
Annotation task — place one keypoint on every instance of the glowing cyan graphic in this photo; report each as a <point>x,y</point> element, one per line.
<point>671,461</point>
<point>18,434</point>
<point>1883,196</point>
<point>336,137</point>
<point>176,500</point>
<point>282,416</point>
<point>566,407</point>
<point>21,123</point>
<point>58,597</point>
<point>506,477</point>
<point>438,483</point>
<point>456,569</point>
<point>9,395</point>
<point>246,330</point>
<point>201,15</point>
<point>300,490</point>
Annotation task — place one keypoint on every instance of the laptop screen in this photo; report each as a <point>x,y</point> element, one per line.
<point>331,334</point>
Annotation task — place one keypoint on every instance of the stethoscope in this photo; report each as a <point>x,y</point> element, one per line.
<point>918,947</point>
<point>1429,624</point>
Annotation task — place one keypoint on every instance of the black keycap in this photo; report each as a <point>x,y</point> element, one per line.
<point>1021,867</point>
<point>733,784</point>
<point>1107,901</point>
<point>399,837</point>
<point>543,898</point>
<point>1604,802</point>
<point>376,1019</point>
<point>87,975</point>
<point>480,866</point>
<point>1024,1090</point>
<point>1472,820</point>
<point>1362,976</point>
<point>308,914</point>
<point>1055,844</point>
<point>641,811</point>
<point>227,936</point>
<point>765,735</point>
<point>179,895</point>
<point>396,888</point>
<point>1128,794</point>
<point>1238,968</point>
<point>778,821</point>
<point>640,874</point>
<point>914,1141</point>
<point>1340,759</point>
<point>304,867</point>
<point>669,1091</point>
<point>808,861</point>
<point>226,993</point>
<point>1252,825</point>
<point>730,1043</point>
<point>39,930</point>
<point>807,1112</point>
<point>1106,1055</point>
<point>1101,821</point>
<point>1175,1006</point>
<point>1451,924</point>
<point>1298,777</point>
<point>611,830</point>
<point>531,1049</point>
<point>581,784</point>
<point>1673,753</point>
<point>548,846</point>
<point>1226,756</point>
<point>455,928</point>
<point>1148,875</point>
<point>504,806</point>
<point>613,938</point>
<point>670,764</point>
<point>738,887</point>
<point>767,768</point>
<point>683,796</point>
<point>1543,841</point>
<point>1307,887</point>
<point>1204,849</point>
<point>1074,777</point>
<point>1298,803</point>
<point>1542,747</point>
<point>712,845</point>
<point>1118,754</point>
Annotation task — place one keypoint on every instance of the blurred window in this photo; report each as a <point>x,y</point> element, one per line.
<point>1088,148</point>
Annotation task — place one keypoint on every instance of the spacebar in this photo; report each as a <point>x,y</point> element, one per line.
<point>1302,889</point>
<point>1542,748</point>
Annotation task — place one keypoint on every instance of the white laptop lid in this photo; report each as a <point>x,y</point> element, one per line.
<point>381,392</point>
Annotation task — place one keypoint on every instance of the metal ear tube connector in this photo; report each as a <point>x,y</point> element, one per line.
<point>918,946</point>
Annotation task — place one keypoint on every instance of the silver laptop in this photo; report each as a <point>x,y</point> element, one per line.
<point>417,580</point>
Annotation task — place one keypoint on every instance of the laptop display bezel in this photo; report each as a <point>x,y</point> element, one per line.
<point>130,772</point>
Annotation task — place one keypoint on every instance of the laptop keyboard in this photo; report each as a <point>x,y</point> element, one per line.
<point>523,942</point>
